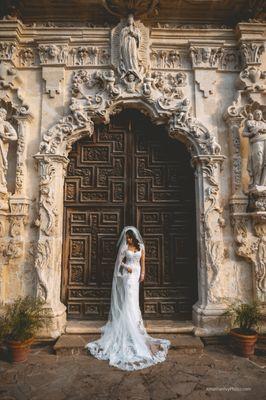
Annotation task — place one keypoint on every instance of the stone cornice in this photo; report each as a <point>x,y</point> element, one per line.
<point>251,31</point>
<point>17,30</point>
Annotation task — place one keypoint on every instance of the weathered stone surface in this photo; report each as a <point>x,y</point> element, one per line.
<point>152,326</point>
<point>74,344</point>
<point>215,373</point>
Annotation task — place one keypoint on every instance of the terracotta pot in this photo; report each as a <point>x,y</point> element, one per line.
<point>19,350</point>
<point>244,344</point>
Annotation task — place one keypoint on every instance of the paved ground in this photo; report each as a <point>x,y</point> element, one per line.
<point>214,373</point>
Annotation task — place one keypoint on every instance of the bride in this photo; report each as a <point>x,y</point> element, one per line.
<point>124,340</point>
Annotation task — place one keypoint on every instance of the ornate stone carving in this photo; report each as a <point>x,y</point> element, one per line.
<point>230,59</point>
<point>205,61</point>
<point>211,224</point>
<point>89,55</point>
<point>59,138</point>
<point>48,212</point>
<point>255,130</point>
<point>253,79</point>
<point>252,247</point>
<point>11,83</point>
<point>251,53</point>
<point>7,50</point>
<point>98,92</point>
<point>19,211</point>
<point>14,249</point>
<point>129,44</point>
<point>234,121</point>
<point>168,59</point>
<point>129,41</point>
<point>197,137</point>
<point>7,134</point>
<point>42,264</point>
<point>53,54</point>
<point>205,57</point>
<point>27,57</point>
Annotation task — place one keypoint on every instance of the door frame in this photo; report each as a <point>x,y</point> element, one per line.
<point>207,160</point>
<point>130,141</point>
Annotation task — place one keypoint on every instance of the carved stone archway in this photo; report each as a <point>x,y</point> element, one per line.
<point>53,158</point>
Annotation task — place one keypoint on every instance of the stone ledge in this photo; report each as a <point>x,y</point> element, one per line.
<point>152,326</point>
<point>75,344</point>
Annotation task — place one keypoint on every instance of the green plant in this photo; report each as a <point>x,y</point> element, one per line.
<point>245,316</point>
<point>22,319</point>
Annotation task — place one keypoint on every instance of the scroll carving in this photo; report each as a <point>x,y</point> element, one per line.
<point>251,53</point>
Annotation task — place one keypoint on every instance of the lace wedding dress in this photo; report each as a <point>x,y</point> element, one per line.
<point>124,340</point>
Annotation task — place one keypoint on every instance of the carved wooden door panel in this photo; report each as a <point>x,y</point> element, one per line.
<point>164,209</point>
<point>129,173</point>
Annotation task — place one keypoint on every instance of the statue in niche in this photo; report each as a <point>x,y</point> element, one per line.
<point>7,135</point>
<point>130,38</point>
<point>255,130</point>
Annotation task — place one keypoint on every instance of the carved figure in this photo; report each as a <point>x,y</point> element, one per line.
<point>255,130</point>
<point>130,83</point>
<point>147,84</point>
<point>82,53</point>
<point>130,38</point>
<point>109,78</point>
<point>7,134</point>
<point>173,59</point>
<point>78,112</point>
<point>184,111</point>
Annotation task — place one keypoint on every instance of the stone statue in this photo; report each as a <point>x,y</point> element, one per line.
<point>7,134</point>
<point>79,113</point>
<point>183,111</point>
<point>255,130</point>
<point>130,38</point>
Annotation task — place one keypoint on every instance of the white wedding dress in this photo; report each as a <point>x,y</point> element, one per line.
<point>124,340</point>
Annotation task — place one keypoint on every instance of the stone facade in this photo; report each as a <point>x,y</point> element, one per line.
<point>206,84</point>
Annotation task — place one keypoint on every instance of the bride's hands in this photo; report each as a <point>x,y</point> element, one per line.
<point>129,270</point>
<point>142,276</point>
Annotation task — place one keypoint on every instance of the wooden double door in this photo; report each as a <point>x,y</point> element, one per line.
<point>129,173</point>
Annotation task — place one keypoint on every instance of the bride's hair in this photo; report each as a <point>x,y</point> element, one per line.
<point>135,241</point>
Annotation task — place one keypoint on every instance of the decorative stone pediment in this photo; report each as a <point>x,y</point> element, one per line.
<point>99,94</point>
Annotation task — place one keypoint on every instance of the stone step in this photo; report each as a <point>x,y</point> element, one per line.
<point>152,326</point>
<point>74,344</point>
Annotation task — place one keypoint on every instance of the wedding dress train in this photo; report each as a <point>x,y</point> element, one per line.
<point>124,340</point>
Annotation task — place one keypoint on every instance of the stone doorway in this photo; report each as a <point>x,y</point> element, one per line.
<point>129,173</point>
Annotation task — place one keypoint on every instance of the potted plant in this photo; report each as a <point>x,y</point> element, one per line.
<point>19,322</point>
<point>244,319</point>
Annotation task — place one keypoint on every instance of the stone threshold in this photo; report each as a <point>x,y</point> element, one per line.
<point>71,344</point>
<point>152,326</point>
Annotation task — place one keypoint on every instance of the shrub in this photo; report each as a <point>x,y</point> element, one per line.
<point>22,319</point>
<point>245,316</point>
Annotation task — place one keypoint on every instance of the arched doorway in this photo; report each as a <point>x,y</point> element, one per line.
<point>129,173</point>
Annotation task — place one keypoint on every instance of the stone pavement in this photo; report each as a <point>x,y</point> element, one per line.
<point>212,372</point>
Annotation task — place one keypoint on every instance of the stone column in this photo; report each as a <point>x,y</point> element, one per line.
<point>210,244</point>
<point>48,252</point>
